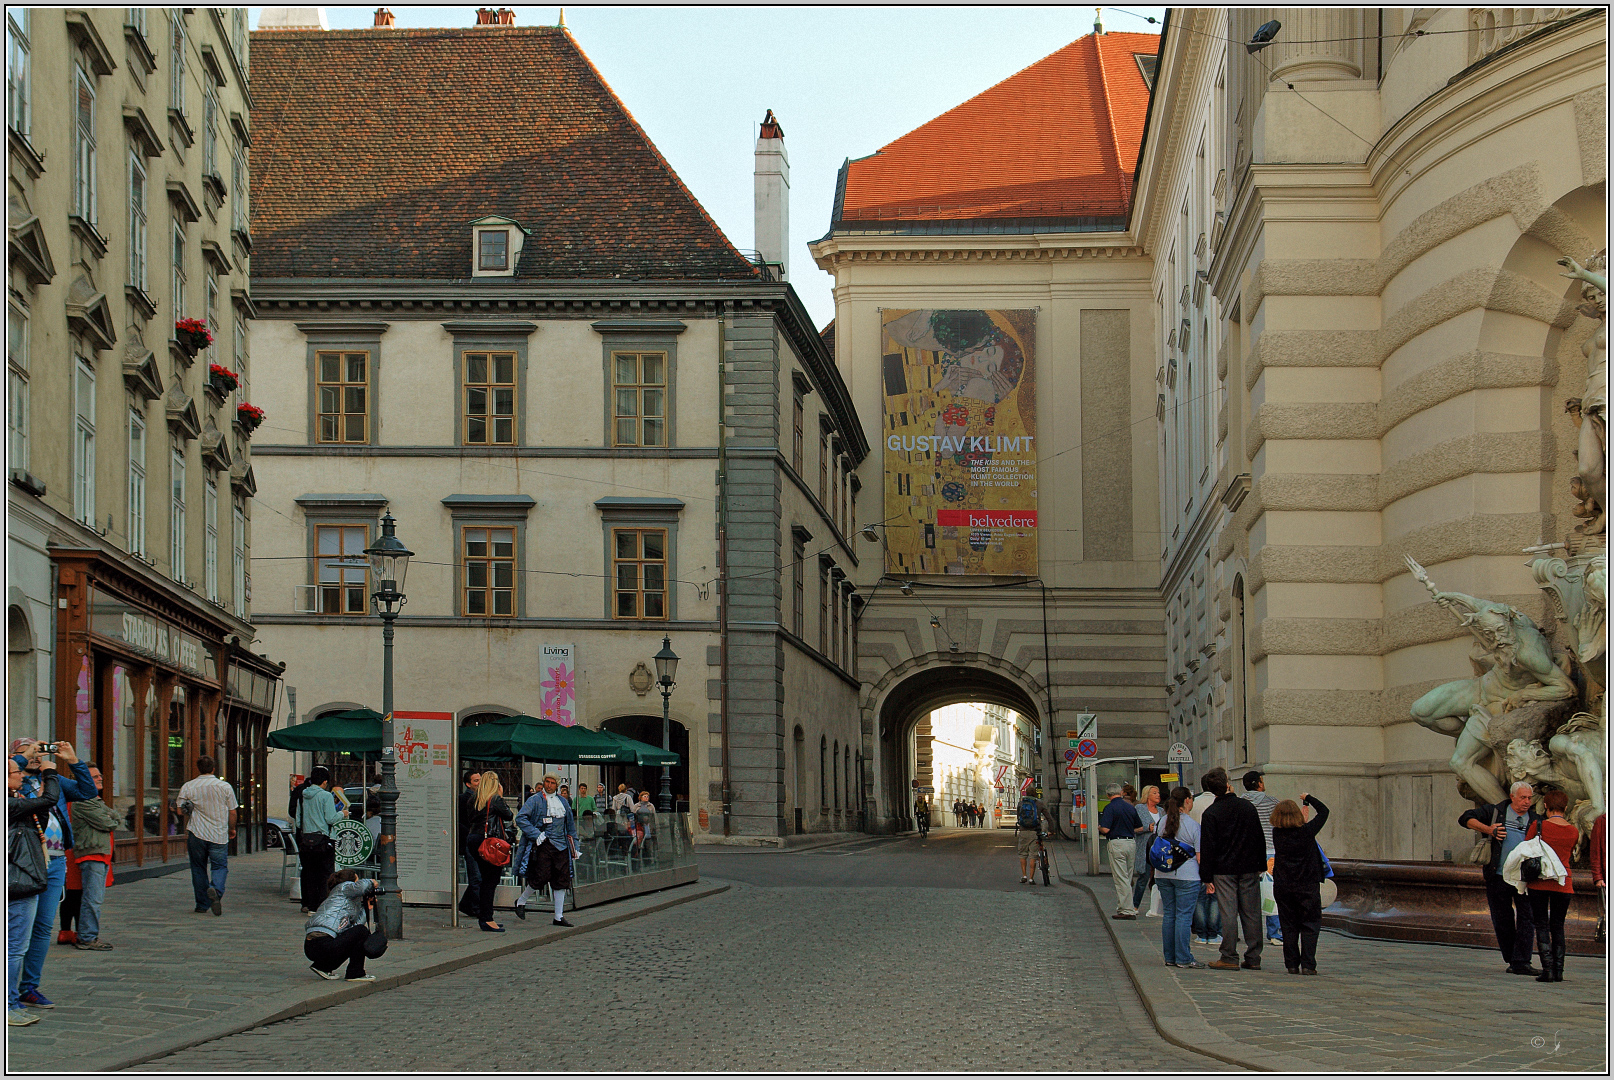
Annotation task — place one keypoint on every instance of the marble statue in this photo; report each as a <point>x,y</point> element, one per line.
<point>1590,410</point>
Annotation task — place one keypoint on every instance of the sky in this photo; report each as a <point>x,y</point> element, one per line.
<point>842,82</point>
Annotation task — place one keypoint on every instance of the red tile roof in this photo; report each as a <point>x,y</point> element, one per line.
<point>1059,139</point>
<point>373,150</point>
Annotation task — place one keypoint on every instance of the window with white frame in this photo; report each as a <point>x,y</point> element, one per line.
<point>178,259</point>
<point>176,65</point>
<point>84,147</point>
<point>210,543</point>
<point>238,188</point>
<point>135,17</point>
<point>137,220</point>
<point>213,317</point>
<point>19,100</point>
<point>210,132</point>
<point>176,514</point>
<point>343,582</point>
<point>238,36</point>
<point>84,442</point>
<point>238,559</point>
<point>17,387</point>
<point>240,355</point>
<point>137,482</point>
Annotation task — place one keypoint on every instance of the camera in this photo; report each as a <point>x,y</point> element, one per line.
<point>47,748</point>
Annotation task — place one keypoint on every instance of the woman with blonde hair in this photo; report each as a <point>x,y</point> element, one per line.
<point>1297,874</point>
<point>486,819</point>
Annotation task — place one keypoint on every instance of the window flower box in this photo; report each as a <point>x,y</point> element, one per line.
<point>249,417</point>
<point>221,380</point>
<point>192,335</point>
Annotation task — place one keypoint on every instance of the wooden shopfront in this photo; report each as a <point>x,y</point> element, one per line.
<point>143,687</point>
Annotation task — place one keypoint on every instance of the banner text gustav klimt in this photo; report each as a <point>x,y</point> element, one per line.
<point>960,441</point>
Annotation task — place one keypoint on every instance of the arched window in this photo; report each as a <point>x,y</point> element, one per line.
<point>823,772</point>
<point>835,772</point>
<point>846,774</point>
<point>800,794</point>
<point>22,667</point>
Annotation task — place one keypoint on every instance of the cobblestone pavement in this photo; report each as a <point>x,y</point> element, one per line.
<point>763,978</point>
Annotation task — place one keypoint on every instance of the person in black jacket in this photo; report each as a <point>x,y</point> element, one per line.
<point>489,803</point>
<point>1297,871</point>
<point>473,875</point>
<point>1232,857</point>
<point>26,819</point>
<point>1505,824</point>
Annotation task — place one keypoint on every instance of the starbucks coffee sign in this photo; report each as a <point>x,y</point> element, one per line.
<point>353,842</point>
<point>113,617</point>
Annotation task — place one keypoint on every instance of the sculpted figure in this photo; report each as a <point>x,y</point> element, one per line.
<point>1513,666</point>
<point>1590,410</point>
<point>1580,752</point>
<point>1529,761</point>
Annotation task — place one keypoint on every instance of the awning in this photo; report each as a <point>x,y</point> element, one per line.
<point>357,731</point>
<point>531,738</point>
<point>644,753</point>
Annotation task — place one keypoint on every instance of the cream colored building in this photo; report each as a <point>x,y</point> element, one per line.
<point>965,748</point>
<point>1375,204</point>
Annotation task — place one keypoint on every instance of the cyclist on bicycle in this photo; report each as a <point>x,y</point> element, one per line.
<point>1028,835</point>
<point>921,814</point>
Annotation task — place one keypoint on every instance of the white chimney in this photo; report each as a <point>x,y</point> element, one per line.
<point>286,18</point>
<point>773,196</point>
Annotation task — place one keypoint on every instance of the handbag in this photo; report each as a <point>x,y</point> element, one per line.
<point>1530,869</point>
<point>26,869</point>
<point>494,850</point>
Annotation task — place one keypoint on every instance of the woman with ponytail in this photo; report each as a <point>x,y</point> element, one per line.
<point>1179,884</point>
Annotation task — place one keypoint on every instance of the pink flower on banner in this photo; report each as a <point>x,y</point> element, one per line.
<point>560,692</point>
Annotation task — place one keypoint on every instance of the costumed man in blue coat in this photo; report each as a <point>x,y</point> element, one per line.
<point>548,845</point>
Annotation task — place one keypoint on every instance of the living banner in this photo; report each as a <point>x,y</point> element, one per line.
<point>960,441</point>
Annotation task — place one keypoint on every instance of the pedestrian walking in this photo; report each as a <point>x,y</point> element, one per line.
<point>1119,825</point>
<point>473,879</point>
<point>487,818</point>
<point>1297,876</point>
<point>338,932</point>
<point>1150,814</point>
<point>1232,856</point>
<point>1028,820</point>
<point>317,815</point>
<point>1505,825</point>
<point>548,826</point>
<point>1175,859</point>
<point>1549,899</point>
<point>30,755</point>
<point>27,874</point>
<point>93,824</point>
<point>210,807</point>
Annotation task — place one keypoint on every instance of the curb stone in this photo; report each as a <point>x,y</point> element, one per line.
<point>287,1004</point>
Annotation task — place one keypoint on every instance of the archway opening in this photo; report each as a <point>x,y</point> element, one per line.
<point>639,778</point>
<point>22,673</point>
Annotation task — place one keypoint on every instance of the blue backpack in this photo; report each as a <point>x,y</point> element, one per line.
<point>1027,816</point>
<point>1166,853</point>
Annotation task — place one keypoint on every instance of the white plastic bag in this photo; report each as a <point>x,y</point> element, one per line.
<point>1154,902</point>
<point>1269,903</point>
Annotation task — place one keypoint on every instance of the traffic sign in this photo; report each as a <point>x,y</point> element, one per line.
<point>1180,754</point>
<point>1087,748</point>
<point>1070,755</point>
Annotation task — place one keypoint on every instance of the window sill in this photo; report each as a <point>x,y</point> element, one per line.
<point>32,160</point>
<point>30,483</point>
<point>181,126</point>
<point>88,233</point>
<point>140,301</point>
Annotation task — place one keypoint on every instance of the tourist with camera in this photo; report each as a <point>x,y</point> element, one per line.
<point>339,932</point>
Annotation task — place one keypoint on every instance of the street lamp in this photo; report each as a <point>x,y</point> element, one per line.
<point>389,560</point>
<point>666,672</point>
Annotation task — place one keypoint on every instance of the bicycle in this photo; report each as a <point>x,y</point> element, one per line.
<point>923,821</point>
<point>1042,859</point>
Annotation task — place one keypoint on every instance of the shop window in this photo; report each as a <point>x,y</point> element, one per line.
<point>178,771</point>
<point>343,390</point>
<point>490,398</point>
<point>84,442</point>
<point>343,584</point>
<point>639,391</point>
<point>151,811</point>
<point>124,774</point>
<point>490,571</point>
<point>639,571</point>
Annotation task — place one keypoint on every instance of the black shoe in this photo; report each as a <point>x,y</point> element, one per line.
<point>521,912</point>
<point>217,901</point>
<point>561,922</point>
<point>490,928</point>
<point>1308,971</point>
<point>1523,969</point>
<point>1292,970</point>
<point>1252,965</point>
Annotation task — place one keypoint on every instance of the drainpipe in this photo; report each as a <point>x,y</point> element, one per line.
<point>723,565</point>
<point>55,646</point>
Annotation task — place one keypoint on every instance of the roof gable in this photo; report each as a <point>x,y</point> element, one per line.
<point>372,150</point>
<point>1057,140</point>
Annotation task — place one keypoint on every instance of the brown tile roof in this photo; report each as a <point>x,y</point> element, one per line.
<point>1058,139</point>
<point>373,150</point>
<point>827,335</point>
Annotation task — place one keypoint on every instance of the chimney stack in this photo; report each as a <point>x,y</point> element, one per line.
<point>1098,20</point>
<point>773,196</point>
<point>383,17</point>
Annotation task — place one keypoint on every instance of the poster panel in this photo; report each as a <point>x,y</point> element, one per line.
<point>426,794</point>
<point>558,667</point>
<point>960,430</point>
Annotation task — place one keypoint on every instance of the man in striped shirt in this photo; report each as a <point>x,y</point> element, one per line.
<point>210,806</point>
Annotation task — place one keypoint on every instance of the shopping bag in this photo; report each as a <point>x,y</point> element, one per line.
<point>1269,904</point>
<point>1154,902</point>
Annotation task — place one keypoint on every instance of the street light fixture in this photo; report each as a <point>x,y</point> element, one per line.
<point>389,561</point>
<point>666,673</point>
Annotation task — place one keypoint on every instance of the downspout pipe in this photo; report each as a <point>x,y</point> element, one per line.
<point>723,563</point>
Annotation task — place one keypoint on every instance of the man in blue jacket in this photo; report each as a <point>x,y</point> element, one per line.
<point>548,845</point>
<point>31,755</point>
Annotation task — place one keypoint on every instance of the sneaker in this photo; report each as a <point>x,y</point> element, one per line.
<point>35,1000</point>
<point>333,976</point>
<point>359,978</point>
<point>218,901</point>
<point>1275,941</point>
<point>1191,964</point>
<point>20,1018</point>
<point>94,945</point>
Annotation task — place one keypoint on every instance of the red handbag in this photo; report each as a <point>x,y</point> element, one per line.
<point>494,850</point>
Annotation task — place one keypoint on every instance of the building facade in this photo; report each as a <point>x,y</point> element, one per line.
<point>595,422</point>
<point>128,437</point>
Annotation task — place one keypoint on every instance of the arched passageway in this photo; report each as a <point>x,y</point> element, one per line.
<point>648,778</point>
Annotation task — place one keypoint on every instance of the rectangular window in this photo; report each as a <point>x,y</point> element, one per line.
<point>639,382</point>
<point>84,442</point>
<point>238,552</point>
<point>493,249</point>
<point>17,388</point>
<point>135,17</point>
<point>238,188</point>
<point>798,586</point>
<point>210,547</point>
<point>797,436</point>
<point>176,516</point>
<point>343,391</point>
<point>639,568</point>
<point>823,610</point>
<point>210,133</point>
<point>238,36</point>
<point>834,623</point>
<point>213,317</point>
<point>490,571</point>
<point>18,99</point>
<point>137,221</point>
<point>490,398</point>
<point>84,148</point>
<point>846,631</point>
<point>178,296</point>
<point>344,576</point>
<point>176,66</point>
<point>823,469</point>
<point>137,482</point>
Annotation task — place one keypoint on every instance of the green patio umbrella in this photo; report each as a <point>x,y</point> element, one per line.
<point>644,753</point>
<point>534,739</point>
<point>357,731</point>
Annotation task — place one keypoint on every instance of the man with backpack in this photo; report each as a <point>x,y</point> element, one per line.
<point>1027,828</point>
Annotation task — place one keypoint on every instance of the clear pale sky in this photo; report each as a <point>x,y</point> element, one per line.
<point>843,81</point>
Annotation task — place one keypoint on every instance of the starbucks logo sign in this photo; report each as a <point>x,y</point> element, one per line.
<point>353,842</point>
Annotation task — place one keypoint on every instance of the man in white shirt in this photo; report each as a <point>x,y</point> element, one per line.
<point>210,807</point>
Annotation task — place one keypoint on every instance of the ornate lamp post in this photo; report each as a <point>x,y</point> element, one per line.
<point>389,560</point>
<point>666,671</point>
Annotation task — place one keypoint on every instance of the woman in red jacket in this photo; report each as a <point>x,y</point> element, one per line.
<point>1549,901</point>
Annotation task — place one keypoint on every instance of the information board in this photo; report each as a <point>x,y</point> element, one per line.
<point>426,793</point>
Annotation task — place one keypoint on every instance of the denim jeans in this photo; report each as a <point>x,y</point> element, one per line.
<point>89,912</point>
<point>1177,900</point>
<point>207,856</point>
<point>1207,914</point>
<point>1144,877</point>
<point>19,926</point>
<point>33,963</point>
<point>1274,927</point>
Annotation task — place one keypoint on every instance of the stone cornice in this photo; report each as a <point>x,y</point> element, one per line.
<point>1161,159</point>
<point>1051,247</point>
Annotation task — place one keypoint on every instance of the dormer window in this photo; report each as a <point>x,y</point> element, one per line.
<point>495,246</point>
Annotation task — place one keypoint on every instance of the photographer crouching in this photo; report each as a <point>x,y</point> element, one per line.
<point>339,930</point>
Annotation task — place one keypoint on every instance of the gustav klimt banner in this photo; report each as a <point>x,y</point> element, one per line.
<point>960,442</point>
